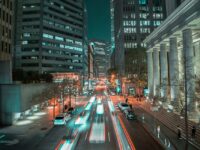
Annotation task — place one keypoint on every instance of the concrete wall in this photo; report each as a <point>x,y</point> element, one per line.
<point>5,72</point>
<point>16,98</point>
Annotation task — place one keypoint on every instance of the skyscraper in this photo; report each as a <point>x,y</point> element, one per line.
<point>134,20</point>
<point>101,56</point>
<point>49,35</point>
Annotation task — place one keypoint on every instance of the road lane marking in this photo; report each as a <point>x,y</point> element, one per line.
<point>86,136</point>
<point>109,136</point>
<point>127,135</point>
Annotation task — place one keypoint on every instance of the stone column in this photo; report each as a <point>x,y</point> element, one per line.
<point>197,59</point>
<point>188,53</point>
<point>164,71</point>
<point>156,69</point>
<point>174,74</point>
<point>150,73</point>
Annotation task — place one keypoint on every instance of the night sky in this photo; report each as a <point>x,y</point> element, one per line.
<point>98,19</point>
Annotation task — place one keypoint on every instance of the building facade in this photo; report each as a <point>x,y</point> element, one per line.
<point>134,20</point>
<point>6,26</point>
<point>90,61</point>
<point>102,51</point>
<point>6,14</point>
<point>49,35</point>
<point>173,54</point>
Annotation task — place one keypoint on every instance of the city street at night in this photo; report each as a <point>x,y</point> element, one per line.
<point>99,74</point>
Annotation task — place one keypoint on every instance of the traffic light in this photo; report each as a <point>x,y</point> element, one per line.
<point>118,89</point>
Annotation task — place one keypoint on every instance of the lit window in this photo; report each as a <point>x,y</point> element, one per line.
<point>45,35</point>
<point>142,2</point>
<point>26,34</point>
<point>59,38</point>
<point>24,42</point>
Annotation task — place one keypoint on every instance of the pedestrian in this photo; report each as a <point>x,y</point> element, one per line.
<point>158,131</point>
<point>126,100</point>
<point>179,132</point>
<point>193,131</point>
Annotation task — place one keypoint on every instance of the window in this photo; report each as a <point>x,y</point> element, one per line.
<point>45,35</point>
<point>24,42</point>
<point>59,38</point>
<point>142,2</point>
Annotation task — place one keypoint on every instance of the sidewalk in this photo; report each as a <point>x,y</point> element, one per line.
<point>168,134</point>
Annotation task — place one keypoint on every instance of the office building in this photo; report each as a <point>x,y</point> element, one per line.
<point>6,16</point>
<point>102,52</point>
<point>49,36</point>
<point>133,21</point>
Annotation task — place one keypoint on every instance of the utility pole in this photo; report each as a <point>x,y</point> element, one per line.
<point>186,106</point>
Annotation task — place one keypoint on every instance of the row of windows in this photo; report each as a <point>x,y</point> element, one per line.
<point>51,58</point>
<point>52,65</point>
<point>129,30</point>
<point>58,38</point>
<point>62,26</point>
<point>7,3</point>
<point>145,30</point>
<point>6,32</point>
<point>144,16</point>
<point>61,46</point>
<point>25,42</point>
<point>129,15</point>
<point>129,23</point>
<point>28,6</point>
<point>6,16</point>
<point>64,13</point>
<point>63,32</point>
<point>130,45</point>
<point>5,47</point>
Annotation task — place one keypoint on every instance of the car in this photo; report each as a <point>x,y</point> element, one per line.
<point>61,119</point>
<point>123,106</point>
<point>130,114</point>
<point>69,141</point>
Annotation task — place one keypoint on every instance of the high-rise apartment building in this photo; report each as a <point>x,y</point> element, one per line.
<point>49,35</point>
<point>133,21</point>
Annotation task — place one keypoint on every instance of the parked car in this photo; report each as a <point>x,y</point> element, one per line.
<point>130,114</point>
<point>61,119</point>
<point>123,106</point>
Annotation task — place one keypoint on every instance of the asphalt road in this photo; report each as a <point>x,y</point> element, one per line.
<point>110,137</point>
<point>140,137</point>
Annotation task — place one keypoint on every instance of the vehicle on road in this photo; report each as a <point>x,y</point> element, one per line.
<point>123,106</point>
<point>68,142</point>
<point>130,114</point>
<point>61,119</point>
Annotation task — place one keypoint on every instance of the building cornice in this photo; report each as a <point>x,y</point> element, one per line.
<point>178,19</point>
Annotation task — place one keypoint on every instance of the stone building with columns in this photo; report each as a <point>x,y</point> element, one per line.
<point>173,59</point>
